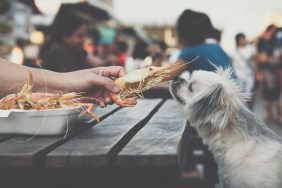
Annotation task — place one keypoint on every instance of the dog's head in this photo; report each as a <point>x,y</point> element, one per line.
<point>208,98</point>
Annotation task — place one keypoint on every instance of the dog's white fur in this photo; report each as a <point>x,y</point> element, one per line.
<point>248,154</point>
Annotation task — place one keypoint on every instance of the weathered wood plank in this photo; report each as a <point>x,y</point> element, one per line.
<point>98,145</point>
<point>4,137</point>
<point>158,142</point>
<point>15,153</point>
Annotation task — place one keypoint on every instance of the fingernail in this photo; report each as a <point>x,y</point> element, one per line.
<point>107,100</point>
<point>102,105</point>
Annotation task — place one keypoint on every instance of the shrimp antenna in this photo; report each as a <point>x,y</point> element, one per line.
<point>216,67</point>
<point>45,79</point>
<point>176,66</point>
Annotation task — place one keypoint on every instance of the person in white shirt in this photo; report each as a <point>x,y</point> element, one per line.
<point>244,64</point>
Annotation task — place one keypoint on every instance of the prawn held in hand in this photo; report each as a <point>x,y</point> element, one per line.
<point>133,84</point>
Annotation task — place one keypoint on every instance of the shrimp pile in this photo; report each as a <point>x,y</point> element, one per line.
<point>133,84</point>
<point>25,99</point>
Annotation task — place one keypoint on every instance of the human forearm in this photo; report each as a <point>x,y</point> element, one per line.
<point>14,76</point>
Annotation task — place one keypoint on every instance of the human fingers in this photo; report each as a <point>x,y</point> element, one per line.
<point>108,99</point>
<point>102,104</point>
<point>106,83</point>
<point>101,101</point>
<point>112,71</point>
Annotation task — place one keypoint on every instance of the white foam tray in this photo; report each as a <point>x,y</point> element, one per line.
<point>40,122</point>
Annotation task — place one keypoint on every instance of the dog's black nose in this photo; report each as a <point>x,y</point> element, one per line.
<point>176,78</point>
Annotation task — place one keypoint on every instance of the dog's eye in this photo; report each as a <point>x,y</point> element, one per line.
<point>190,87</point>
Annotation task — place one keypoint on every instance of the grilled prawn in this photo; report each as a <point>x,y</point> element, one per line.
<point>136,82</point>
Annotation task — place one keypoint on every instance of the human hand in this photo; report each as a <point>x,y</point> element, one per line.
<point>95,83</point>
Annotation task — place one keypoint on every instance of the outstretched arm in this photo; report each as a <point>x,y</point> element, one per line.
<point>95,83</point>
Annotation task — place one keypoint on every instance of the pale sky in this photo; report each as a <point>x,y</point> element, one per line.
<point>230,16</point>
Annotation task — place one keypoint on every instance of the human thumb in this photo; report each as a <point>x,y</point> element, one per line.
<point>108,84</point>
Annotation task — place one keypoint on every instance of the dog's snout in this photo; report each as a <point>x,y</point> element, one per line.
<point>175,87</point>
<point>176,78</point>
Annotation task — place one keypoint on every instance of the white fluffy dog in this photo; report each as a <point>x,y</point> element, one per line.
<point>248,154</point>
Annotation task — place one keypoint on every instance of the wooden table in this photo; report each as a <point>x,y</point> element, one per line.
<point>142,146</point>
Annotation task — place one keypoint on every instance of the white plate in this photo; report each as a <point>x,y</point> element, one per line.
<point>39,122</point>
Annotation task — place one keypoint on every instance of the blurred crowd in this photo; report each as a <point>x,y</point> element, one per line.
<point>76,44</point>
<point>258,67</point>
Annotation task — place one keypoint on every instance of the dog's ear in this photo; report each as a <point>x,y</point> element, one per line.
<point>213,106</point>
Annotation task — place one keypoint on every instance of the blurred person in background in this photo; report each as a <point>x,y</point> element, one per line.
<point>122,52</point>
<point>63,51</point>
<point>245,65</point>
<point>278,60</point>
<point>95,38</point>
<point>193,29</point>
<point>140,49</point>
<point>157,51</point>
<point>269,74</point>
<point>213,34</point>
